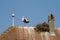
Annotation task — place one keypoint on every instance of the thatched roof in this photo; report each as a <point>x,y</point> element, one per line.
<point>26,33</point>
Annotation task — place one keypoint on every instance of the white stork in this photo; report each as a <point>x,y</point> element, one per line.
<point>25,20</point>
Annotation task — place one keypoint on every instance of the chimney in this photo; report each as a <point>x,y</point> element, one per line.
<point>13,15</point>
<point>51,23</point>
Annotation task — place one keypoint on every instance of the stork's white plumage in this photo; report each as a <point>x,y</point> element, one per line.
<point>25,20</point>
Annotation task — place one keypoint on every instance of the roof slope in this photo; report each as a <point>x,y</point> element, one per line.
<point>26,33</point>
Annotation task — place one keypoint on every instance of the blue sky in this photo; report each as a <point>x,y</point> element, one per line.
<point>35,10</point>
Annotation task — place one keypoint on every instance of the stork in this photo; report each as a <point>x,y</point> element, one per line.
<point>25,20</point>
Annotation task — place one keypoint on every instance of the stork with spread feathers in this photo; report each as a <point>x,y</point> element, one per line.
<point>25,20</point>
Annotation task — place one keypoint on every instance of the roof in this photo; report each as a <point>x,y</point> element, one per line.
<point>27,33</point>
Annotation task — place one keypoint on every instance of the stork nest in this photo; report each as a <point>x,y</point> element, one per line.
<point>44,27</point>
